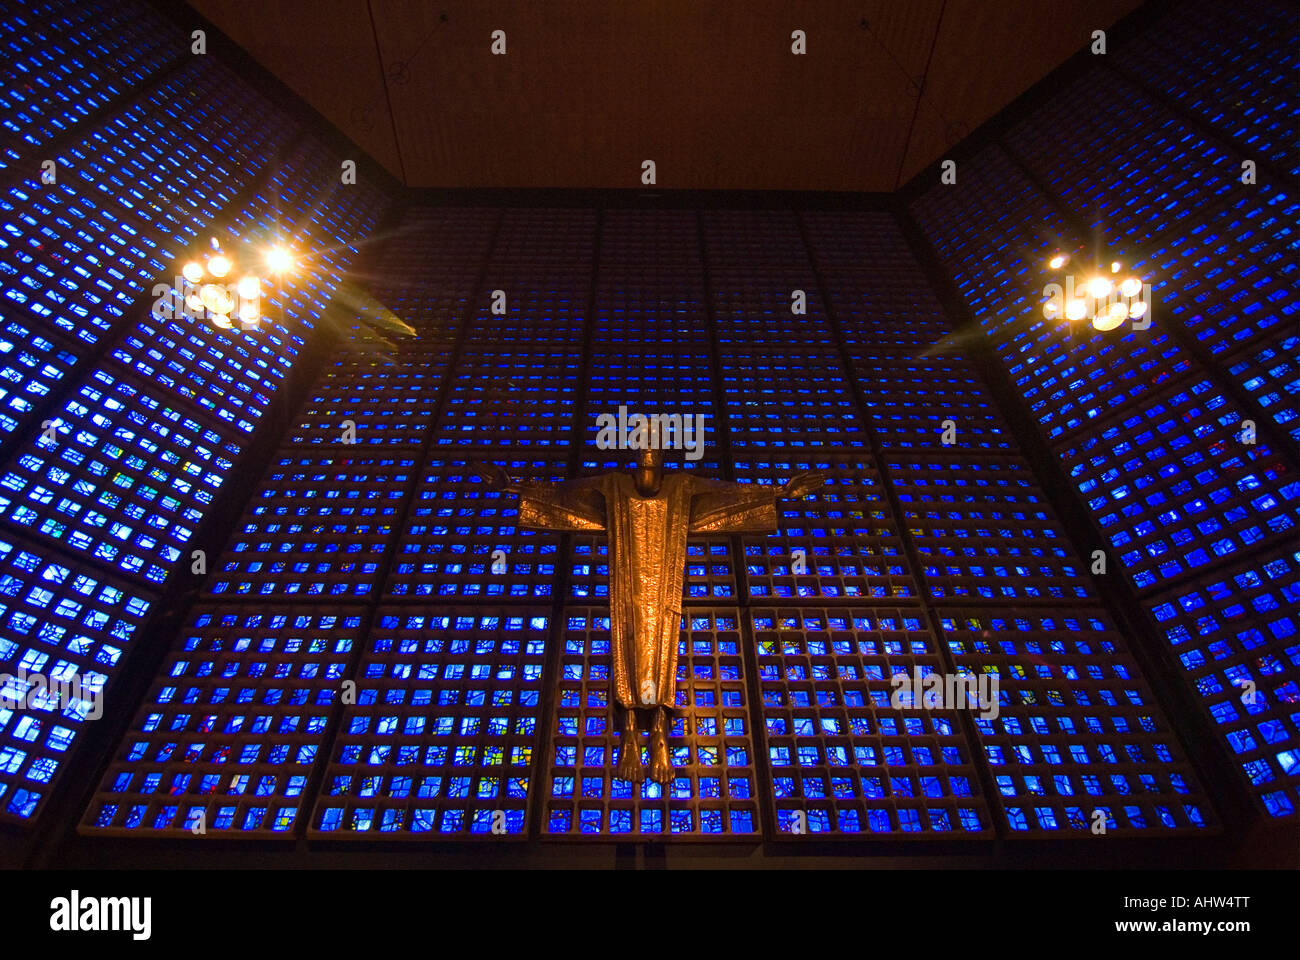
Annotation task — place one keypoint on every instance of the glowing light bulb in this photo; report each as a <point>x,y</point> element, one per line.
<point>1051,309</point>
<point>279,259</point>
<point>250,288</point>
<point>208,296</point>
<point>1099,287</point>
<point>192,271</point>
<point>1076,309</point>
<point>250,313</point>
<point>1058,261</point>
<point>219,265</point>
<point>1110,319</point>
<point>216,298</point>
<point>194,303</point>
<point>1138,309</point>
<point>1131,287</point>
<point>223,321</point>
<point>1116,266</point>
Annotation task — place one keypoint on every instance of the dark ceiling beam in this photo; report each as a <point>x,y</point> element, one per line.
<point>1126,28</point>
<point>280,93</point>
<point>920,95</point>
<point>388,96</point>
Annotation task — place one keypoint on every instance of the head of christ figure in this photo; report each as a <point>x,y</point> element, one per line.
<point>649,473</point>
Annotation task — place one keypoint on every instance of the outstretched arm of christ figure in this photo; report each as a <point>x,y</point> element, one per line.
<point>722,507</point>
<point>569,505</point>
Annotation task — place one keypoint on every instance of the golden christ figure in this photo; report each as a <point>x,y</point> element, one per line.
<point>647,516</point>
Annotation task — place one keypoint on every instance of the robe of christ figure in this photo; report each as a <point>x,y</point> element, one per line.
<point>646,517</point>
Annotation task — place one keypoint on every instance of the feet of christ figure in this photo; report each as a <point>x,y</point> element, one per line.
<point>647,516</point>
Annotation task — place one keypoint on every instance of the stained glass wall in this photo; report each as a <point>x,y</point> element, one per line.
<point>1181,439</point>
<point>121,152</point>
<point>382,652</point>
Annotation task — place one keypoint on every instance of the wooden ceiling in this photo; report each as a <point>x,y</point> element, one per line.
<point>708,89</point>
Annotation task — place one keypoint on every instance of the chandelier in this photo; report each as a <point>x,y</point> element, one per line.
<point>1101,297</point>
<point>211,292</point>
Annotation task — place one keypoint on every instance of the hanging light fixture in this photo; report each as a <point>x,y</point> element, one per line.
<point>241,300</point>
<point>1104,302</point>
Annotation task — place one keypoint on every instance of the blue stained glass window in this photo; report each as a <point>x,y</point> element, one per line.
<point>242,714</point>
<point>1272,376</point>
<point>850,546</point>
<point>31,367</point>
<point>911,402</point>
<point>70,629</point>
<point>1068,686</point>
<point>709,740</point>
<point>832,732</point>
<point>1238,638</point>
<point>461,540</point>
<point>444,737</point>
<point>387,398</point>
<point>983,529</point>
<point>444,727</point>
<point>69,59</point>
<point>129,199</point>
<point>1232,71</point>
<point>1205,487</point>
<point>1158,451</point>
<point>125,478</point>
<point>318,527</point>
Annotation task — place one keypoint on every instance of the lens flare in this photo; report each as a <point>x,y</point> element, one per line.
<point>279,260</point>
<point>1099,288</point>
